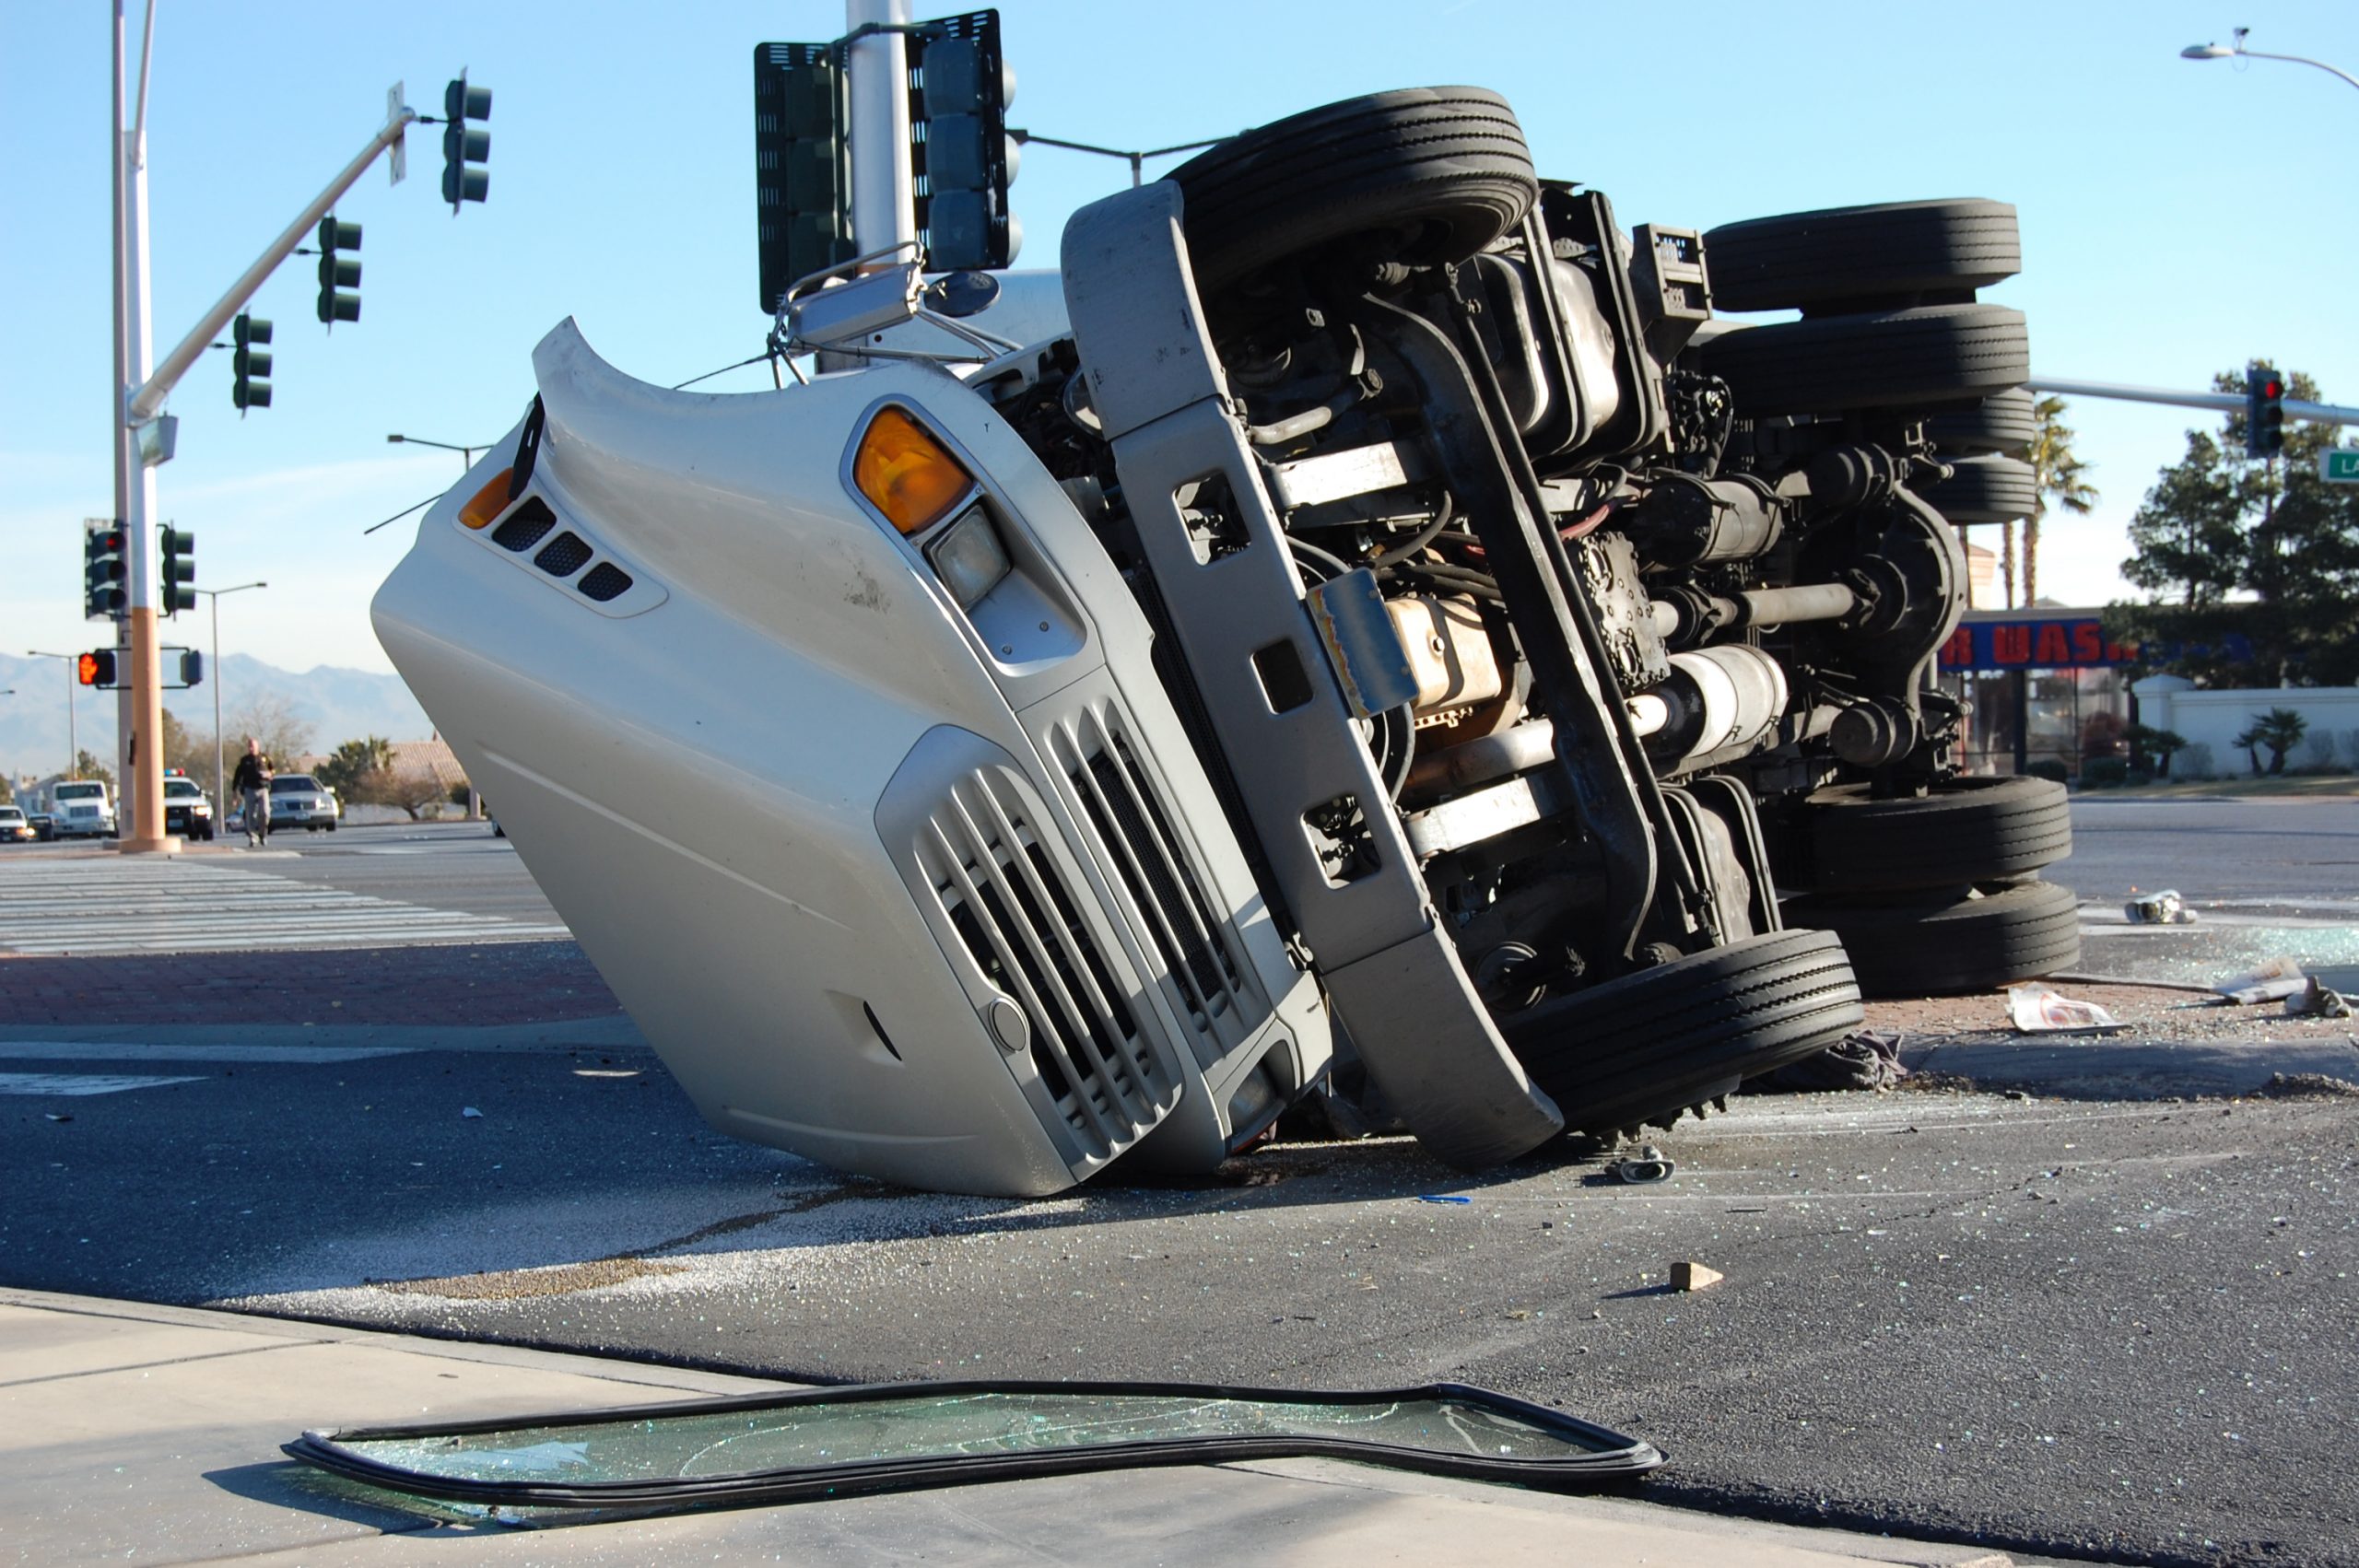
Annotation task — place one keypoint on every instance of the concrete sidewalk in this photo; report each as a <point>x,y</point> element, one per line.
<point>149,1434</point>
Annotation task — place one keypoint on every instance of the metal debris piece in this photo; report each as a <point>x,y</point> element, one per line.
<point>1644,1168</point>
<point>2314,1000</point>
<point>2164,908</point>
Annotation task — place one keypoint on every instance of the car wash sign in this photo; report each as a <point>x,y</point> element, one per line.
<point>2067,641</point>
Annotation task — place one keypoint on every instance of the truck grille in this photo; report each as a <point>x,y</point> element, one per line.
<point>1020,923</point>
<point>1201,973</point>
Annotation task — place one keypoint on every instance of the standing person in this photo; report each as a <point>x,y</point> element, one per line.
<point>251,781</point>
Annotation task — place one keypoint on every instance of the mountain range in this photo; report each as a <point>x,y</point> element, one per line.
<point>337,704</point>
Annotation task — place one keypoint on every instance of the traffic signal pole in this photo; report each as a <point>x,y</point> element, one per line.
<point>2218,401</point>
<point>144,434</point>
<point>884,210</point>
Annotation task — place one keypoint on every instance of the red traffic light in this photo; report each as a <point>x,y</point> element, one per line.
<point>2272,388</point>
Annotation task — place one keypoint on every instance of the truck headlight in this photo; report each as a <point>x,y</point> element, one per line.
<point>969,558</point>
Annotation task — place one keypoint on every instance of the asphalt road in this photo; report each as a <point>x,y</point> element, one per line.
<point>2075,1328</point>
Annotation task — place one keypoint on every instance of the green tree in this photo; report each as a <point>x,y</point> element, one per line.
<point>2259,549</point>
<point>189,750</point>
<point>2058,473</point>
<point>349,770</point>
<point>87,767</point>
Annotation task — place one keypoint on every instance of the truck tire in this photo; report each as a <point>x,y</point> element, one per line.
<point>1427,174</point>
<point>1855,257</point>
<point>1648,1046</point>
<point>1928,353</point>
<point>2002,423</point>
<point>1964,830</point>
<point>1984,489</point>
<point>1942,945</point>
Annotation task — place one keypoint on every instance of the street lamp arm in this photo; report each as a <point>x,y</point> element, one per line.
<point>2300,60</point>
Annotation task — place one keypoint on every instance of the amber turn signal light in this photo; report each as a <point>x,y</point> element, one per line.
<point>907,473</point>
<point>488,502</point>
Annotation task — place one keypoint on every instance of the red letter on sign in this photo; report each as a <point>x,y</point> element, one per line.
<point>2055,647</point>
<point>2088,643</point>
<point>2011,645</point>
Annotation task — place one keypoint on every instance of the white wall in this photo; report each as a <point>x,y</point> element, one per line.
<point>2215,717</point>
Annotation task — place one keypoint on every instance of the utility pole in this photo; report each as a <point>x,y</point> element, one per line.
<point>145,435</point>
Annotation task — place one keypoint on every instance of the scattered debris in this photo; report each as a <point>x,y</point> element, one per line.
<point>1865,1058</point>
<point>2309,1086</point>
<point>1443,1197</point>
<point>470,1114</point>
<point>2314,1000</point>
<point>1685,1276</point>
<point>2018,1094</point>
<point>2038,1010</point>
<point>2272,981</point>
<point>2164,908</point>
<point>1644,1168</point>
<point>57,1115</point>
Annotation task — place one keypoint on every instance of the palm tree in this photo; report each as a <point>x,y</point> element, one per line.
<point>2056,472</point>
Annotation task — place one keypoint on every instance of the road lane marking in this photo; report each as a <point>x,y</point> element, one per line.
<point>46,1086</point>
<point>125,1050</point>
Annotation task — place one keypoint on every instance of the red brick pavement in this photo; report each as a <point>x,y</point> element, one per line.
<point>522,982</point>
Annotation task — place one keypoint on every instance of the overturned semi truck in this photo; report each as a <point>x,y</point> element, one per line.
<point>1392,644</point>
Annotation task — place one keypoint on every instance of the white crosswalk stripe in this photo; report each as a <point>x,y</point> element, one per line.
<point>96,907</point>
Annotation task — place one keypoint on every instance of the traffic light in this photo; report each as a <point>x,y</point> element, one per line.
<point>104,575</point>
<point>252,389</point>
<point>2264,412</point>
<point>176,550</point>
<point>961,151</point>
<point>95,669</point>
<point>338,273</point>
<point>802,180</point>
<point>464,149</point>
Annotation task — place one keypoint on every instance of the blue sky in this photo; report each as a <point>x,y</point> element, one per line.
<point>2175,220</point>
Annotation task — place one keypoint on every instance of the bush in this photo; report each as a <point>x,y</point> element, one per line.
<point>2139,776</point>
<point>2105,773</point>
<point>2049,768</point>
<point>2197,761</point>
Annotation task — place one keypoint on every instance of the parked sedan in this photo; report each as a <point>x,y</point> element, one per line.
<point>298,800</point>
<point>14,828</point>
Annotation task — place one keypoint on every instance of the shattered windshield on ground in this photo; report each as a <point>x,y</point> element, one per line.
<point>839,1440</point>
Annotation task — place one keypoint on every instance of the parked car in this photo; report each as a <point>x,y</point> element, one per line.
<point>298,800</point>
<point>81,809</point>
<point>45,825</point>
<point>1349,662</point>
<point>187,810</point>
<point>14,827</point>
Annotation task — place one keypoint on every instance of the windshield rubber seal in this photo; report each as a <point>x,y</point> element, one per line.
<point>1612,1459</point>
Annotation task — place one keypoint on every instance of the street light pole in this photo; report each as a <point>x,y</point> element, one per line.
<point>2213,52</point>
<point>73,679</point>
<point>220,801</point>
<point>466,454</point>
